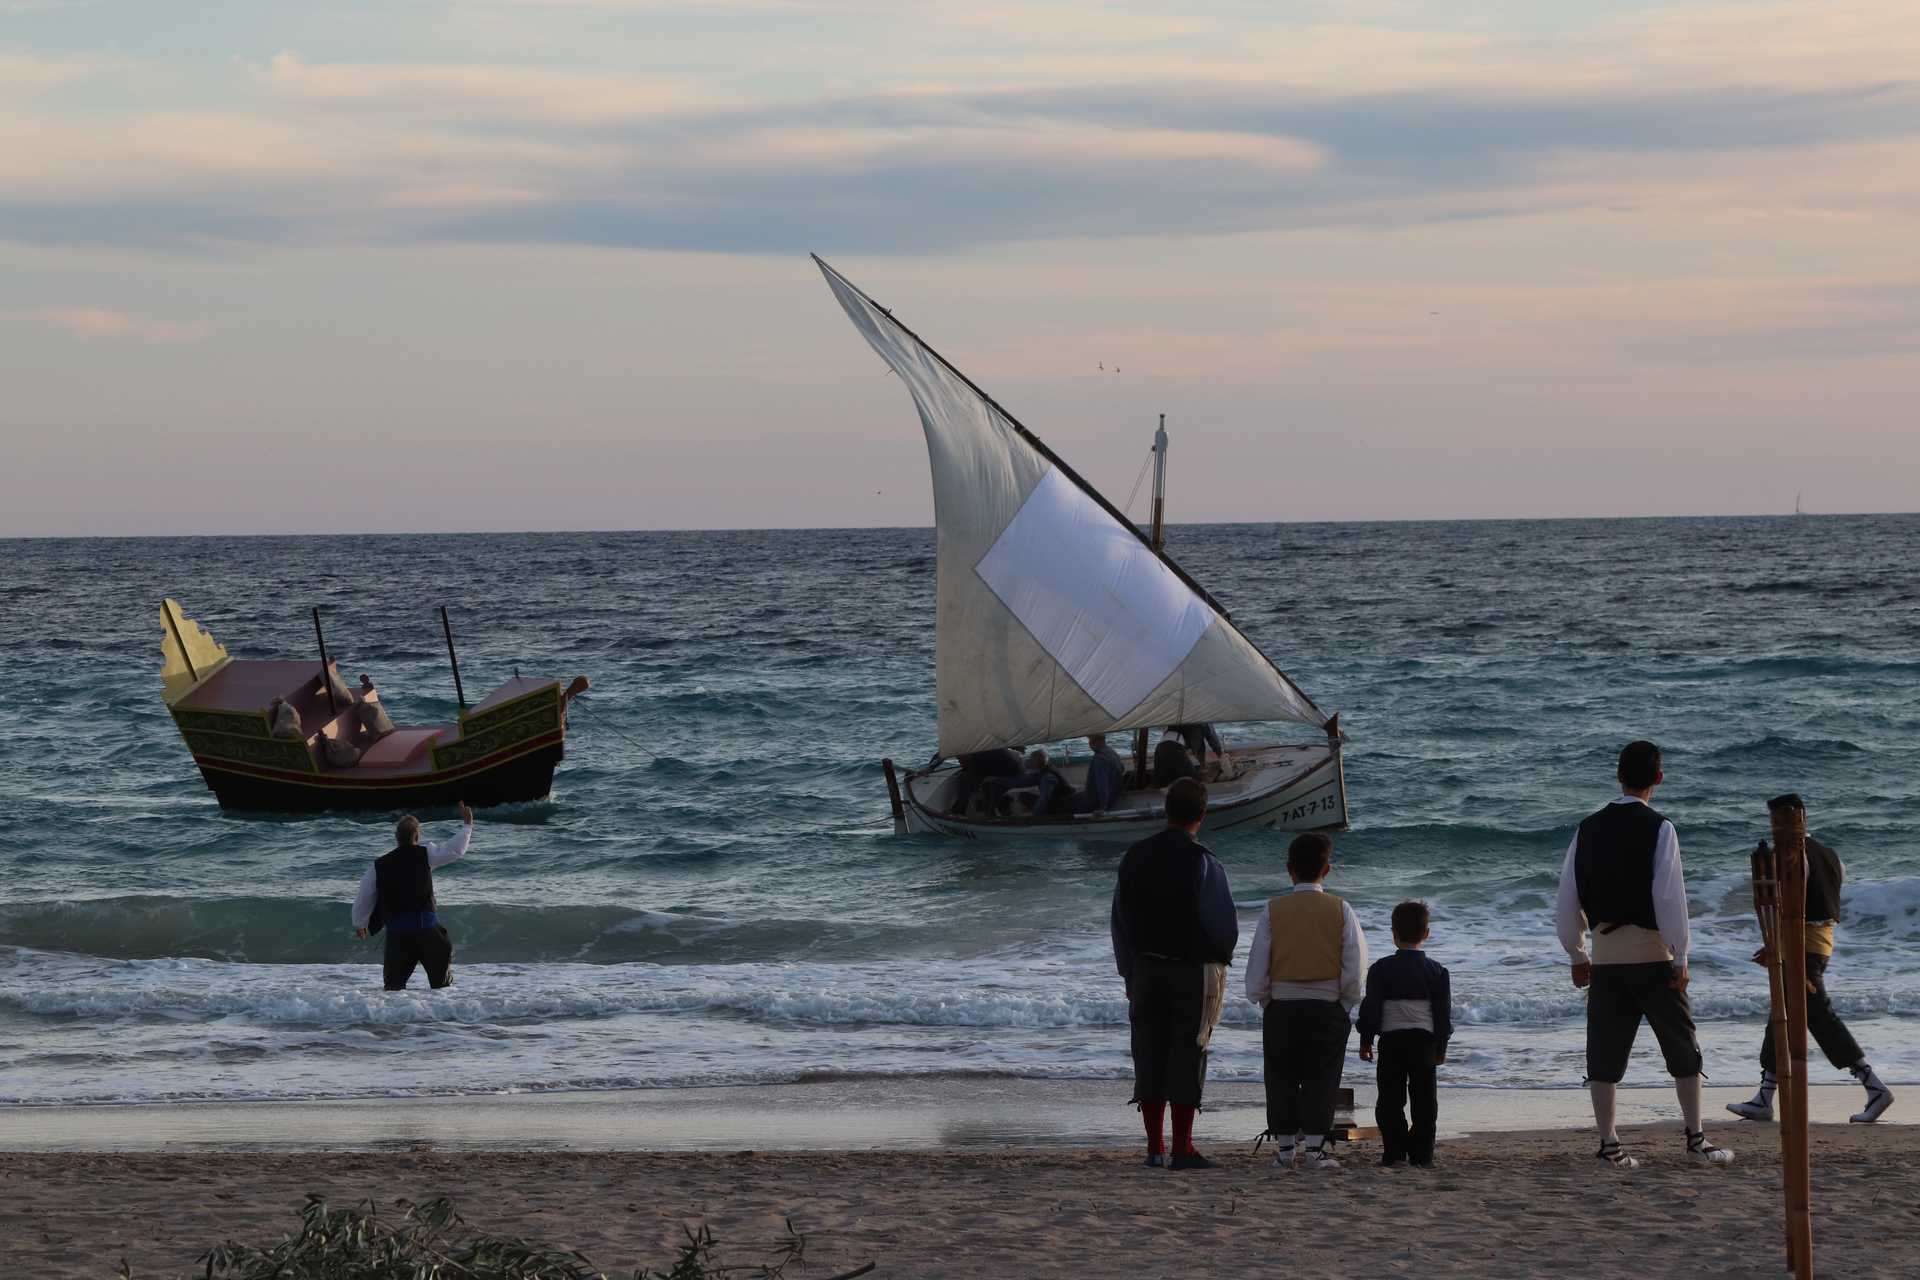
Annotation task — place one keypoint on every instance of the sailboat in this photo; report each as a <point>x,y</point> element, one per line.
<point>1057,617</point>
<point>1797,509</point>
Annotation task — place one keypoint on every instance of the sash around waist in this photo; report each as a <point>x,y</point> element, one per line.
<point>412,922</point>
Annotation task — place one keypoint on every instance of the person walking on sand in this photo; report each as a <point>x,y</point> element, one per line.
<point>1308,960</point>
<point>1825,874</point>
<point>1623,881</point>
<point>397,892</point>
<point>1174,930</point>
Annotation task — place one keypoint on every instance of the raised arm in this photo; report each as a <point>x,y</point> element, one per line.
<point>439,855</point>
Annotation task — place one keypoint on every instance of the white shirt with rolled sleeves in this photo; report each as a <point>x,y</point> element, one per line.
<point>1353,963</point>
<point>1630,944</point>
<point>438,855</point>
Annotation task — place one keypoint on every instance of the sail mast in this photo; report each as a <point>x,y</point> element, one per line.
<point>1160,486</point>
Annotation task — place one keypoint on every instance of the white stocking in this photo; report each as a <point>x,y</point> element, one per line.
<point>1603,1110</point>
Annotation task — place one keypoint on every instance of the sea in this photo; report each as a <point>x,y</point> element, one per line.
<point>713,895</point>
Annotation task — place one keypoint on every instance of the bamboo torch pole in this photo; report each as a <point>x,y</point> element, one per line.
<point>1790,849</point>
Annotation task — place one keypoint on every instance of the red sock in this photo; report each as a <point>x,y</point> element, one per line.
<point>1152,1112</point>
<point>1182,1130</point>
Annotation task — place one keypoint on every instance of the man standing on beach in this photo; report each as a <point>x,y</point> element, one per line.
<point>1622,879</point>
<point>1174,930</point>
<point>399,887</point>
<point>1825,874</point>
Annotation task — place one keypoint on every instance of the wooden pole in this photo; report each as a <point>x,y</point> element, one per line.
<point>893,798</point>
<point>326,680</point>
<point>446,629</point>
<point>1790,850</point>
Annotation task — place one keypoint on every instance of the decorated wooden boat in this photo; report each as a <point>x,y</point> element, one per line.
<point>291,736</point>
<point>1057,617</point>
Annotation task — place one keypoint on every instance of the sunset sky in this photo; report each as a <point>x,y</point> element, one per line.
<point>542,264</point>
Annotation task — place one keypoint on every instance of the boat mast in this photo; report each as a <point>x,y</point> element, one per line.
<point>446,629</point>
<point>1160,486</point>
<point>1158,541</point>
<point>326,680</point>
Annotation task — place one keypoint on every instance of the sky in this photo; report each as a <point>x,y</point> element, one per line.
<point>276,267</point>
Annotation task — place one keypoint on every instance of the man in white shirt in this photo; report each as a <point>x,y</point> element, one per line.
<point>1622,880</point>
<point>397,893</point>
<point>1305,971</point>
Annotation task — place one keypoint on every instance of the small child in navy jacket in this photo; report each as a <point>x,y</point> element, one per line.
<point>1409,1007</point>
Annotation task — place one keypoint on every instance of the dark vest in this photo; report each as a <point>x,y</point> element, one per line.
<point>404,884</point>
<point>1160,896</point>
<point>1171,762</point>
<point>1613,865</point>
<point>1824,875</point>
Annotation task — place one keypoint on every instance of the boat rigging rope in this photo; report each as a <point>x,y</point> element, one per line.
<point>1137,480</point>
<point>580,702</point>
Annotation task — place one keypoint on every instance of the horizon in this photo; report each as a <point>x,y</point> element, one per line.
<point>929,528</point>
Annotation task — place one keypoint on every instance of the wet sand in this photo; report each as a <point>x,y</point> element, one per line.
<point>1516,1203</point>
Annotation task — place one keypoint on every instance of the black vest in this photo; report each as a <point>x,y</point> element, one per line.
<point>1824,875</point>
<point>1160,896</point>
<point>1613,865</point>
<point>404,881</point>
<point>1171,762</point>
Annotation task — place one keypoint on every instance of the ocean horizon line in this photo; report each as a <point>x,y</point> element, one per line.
<point>1677,517</point>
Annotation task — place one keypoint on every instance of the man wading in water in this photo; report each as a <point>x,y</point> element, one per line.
<point>1174,930</point>
<point>398,889</point>
<point>1622,880</point>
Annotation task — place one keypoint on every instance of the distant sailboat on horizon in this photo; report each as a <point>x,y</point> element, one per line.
<point>1797,509</point>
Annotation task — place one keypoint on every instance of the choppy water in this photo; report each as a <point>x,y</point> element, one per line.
<point>724,909</point>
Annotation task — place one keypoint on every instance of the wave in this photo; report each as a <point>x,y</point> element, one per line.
<point>932,995</point>
<point>275,931</point>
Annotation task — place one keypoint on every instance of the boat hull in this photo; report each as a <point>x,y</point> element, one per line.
<point>523,777</point>
<point>1286,788</point>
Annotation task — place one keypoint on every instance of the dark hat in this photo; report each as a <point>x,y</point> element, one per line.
<point>1791,800</point>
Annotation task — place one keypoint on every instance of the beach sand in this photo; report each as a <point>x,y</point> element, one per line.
<point>1519,1203</point>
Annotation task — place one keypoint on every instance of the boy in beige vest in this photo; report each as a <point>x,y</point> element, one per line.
<point>1304,972</point>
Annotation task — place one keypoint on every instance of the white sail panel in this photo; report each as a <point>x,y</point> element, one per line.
<point>1113,615</point>
<point>1049,624</point>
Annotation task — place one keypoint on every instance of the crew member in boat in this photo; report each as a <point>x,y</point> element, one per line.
<point>1622,880</point>
<point>1054,794</point>
<point>1172,761</point>
<point>1825,874</point>
<point>1106,777</point>
<point>1174,931</point>
<point>1198,738</point>
<point>398,890</point>
<point>976,767</point>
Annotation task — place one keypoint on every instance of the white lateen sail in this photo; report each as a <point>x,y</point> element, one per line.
<point>1055,617</point>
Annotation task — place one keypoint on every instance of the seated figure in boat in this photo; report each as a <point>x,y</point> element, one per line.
<point>1106,777</point>
<point>1054,793</point>
<point>976,768</point>
<point>1199,737</point>
<point>1172,761</point>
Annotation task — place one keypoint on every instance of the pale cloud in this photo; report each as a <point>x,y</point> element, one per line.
<point>102,324</point>
<point>479,94</point>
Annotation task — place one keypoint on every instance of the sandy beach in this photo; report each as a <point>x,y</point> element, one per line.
<point>1513,1203</point>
